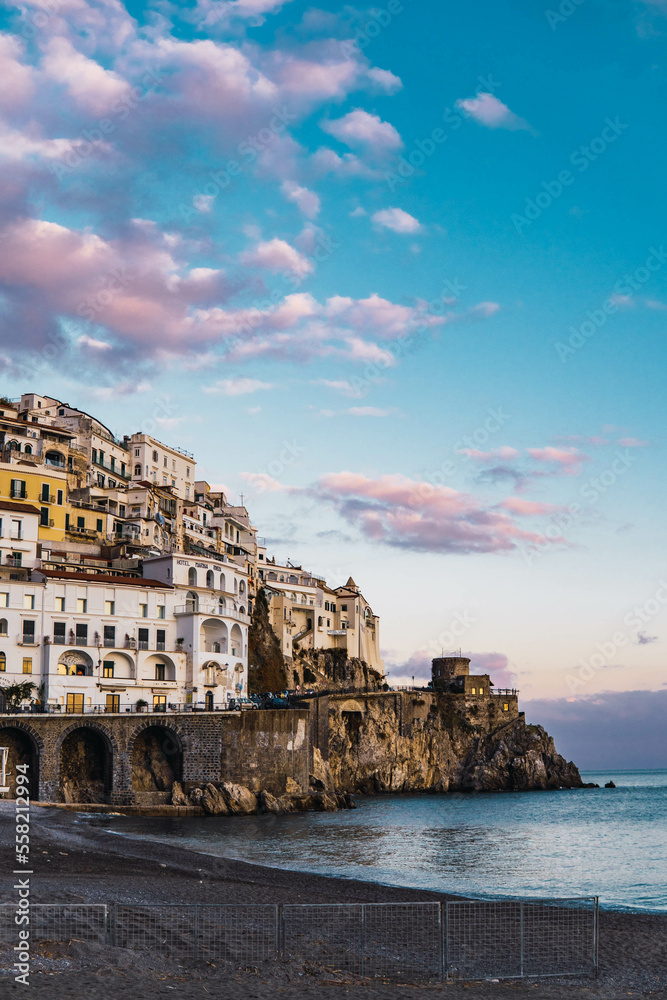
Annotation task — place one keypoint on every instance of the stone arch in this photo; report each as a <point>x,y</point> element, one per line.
<point>352,705</point>
<point>192,577</point>
<point>85,756</point>
<point>236,640</point>
<point>75,661</point>
<point>213,633</point>
<point>156,754</point>
<point>25,747</point>
<point>55,458</point>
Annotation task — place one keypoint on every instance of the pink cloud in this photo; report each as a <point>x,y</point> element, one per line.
<point>569,460</point>
<point>489,111</point>
<point>632,442</point>
<point>277,255</point>
<point>92,87</point>
<point>505,453</point>
<point>405,513</point>
<point>18,79</point>
<point>359,127</point>
<point>305,200</point>
<point>529,508</point>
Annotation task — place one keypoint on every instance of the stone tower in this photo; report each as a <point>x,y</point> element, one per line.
<point>445,668</point>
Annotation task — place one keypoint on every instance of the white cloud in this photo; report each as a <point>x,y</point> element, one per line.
<point>237,387</point>
<point>397,220</point>
<point>361,128</point>
<point>305,200</point>
<point>489,111</point>
<point>277,255</point>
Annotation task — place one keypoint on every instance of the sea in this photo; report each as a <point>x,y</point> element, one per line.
<point>606,842</point>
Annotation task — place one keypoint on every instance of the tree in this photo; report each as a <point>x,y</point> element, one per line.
<point>266,664</point>
<point>16,693</point>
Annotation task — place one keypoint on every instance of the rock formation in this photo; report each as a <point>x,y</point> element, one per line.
<point>443,748</point>
<point>333,670</point>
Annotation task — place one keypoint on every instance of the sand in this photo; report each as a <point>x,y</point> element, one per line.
<point>80,862</point>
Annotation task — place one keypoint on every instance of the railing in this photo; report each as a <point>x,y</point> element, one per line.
<point>215,610</point>
<point>404,941</point>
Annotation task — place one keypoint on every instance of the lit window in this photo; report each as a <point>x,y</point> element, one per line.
<point>473,690</point>
<point>4,600</point>
<point>143,611</point>
<point>27,664</point>
<point>160,610</point>
<point>3,662</point>
<point>60,603</point>
<point>109,607</point>
<point>107,668</point>
<point>506,707</point>
<point>29,602</point>
<point>81,605</point>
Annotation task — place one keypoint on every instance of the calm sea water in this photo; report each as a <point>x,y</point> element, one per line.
<point>610,843</point>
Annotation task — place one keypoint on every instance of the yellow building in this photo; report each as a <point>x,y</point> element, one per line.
<point>43,487</point>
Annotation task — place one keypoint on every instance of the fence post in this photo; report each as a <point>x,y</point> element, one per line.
<point>446,948</point>
<point>111,925</point>
<point>196,931</point>
<point>363,937</point>
<point>278,931</point>
<point>522,927</point>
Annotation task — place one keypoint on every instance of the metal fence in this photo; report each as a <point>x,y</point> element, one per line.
<point>404,941</point>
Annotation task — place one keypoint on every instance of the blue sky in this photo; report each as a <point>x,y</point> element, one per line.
<point>396,276</point>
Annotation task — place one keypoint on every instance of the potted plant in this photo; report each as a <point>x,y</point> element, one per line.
<point>180,641</point>
<point>142,704</point>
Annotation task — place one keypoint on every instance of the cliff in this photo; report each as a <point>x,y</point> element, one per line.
<point>333,670</point>
<point>436,742</point>
<point>266,670</point>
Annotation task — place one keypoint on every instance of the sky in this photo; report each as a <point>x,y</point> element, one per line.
<point>395,276</point>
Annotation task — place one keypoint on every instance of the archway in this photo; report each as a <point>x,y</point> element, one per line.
<point>85,766</point>
<point>75,663</point>
<point>22,750</point>
<point>157,762</point>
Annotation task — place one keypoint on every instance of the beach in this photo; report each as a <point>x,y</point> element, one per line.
<point>77,861</point>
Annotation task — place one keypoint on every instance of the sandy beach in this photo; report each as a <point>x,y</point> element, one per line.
<point>77,861</point>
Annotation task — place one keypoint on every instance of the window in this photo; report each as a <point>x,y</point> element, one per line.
<point>60,603</point>
<point>143,611</point>
<point>81,522</point>
<point>160,610</point>
<point>143,638</point>
<point>137,470</point>
<point>159,702</point>
<point>187,472</point>
<point>82,635</point>
<point>319,621</point>
<point>16,530</point>
<point>109,635</point>
<point>3,626</point>
<point>109,607</point>
<point>333,607</point>
<point>155,456</point>
<point>112,703</point>
<point>61,413</point>
<point>81,605</point>
<point>4,600</point>
<point>100,524</point>
<point>60,497</point>
<point>137,453</point>
<point>187,492</point>
<point>66,522</point>
<point>506,707</point>
<point>107,668</point>
<point>160,671</point>
<point>121,510</point>
<point>18,489</point>
<point>46,493</point>
<point>161,639</point>
<point>192,577</point>
<point>164,480</point>
<point>326,605</point>
<point>27,664</point>
<point>29,602</point>
<point>3,663</point>
<point>95,455</point>
<point>101,457</point>
<point>74,702</point>
<point>165,461</point>
<point>44,517</point>
<point>210,582</point>
<point>59,631</point>
<point>18,559</point>
<point>473,690</point>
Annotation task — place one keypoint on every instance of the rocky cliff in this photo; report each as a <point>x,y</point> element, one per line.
<point>333,670</point>
<point>435,742</point>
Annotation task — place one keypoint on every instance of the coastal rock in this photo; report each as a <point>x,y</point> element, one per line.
<point>238,799</point>
<point>269,803</point>
<point>610,784</point>
<point>178,796</point>
<point>292,787</point>
<point>441,744</point>
<point>213,801</point>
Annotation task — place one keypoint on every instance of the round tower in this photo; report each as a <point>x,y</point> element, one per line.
<point>446,668</point>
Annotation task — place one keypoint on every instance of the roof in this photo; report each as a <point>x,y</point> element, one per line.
<point>20,508</point>
<point>119,581</point>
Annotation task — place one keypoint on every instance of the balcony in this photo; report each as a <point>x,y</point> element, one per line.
<point>81,640</point>
<point>212,610</point>
<point>27,640</point>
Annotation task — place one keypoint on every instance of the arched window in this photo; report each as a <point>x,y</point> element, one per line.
<point>223,582</point>
<point>192,577</point>
<point>236,586</point>
<point>210,582</point>
<point>216,647</point>
<point>28,449</point>
<point>3,626</point>
<point>241,587</point>
<point>3,662</point>
<point>137,470</point>
<point>319,621</point>
<point>55,458</point>
<point>242,610</point>
<point>192,602</point>
<point>209,701</point>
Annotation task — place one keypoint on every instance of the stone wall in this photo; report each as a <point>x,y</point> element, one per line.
<point>133,759</point>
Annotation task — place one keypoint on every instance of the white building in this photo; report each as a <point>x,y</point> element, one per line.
<point>163,465</point>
